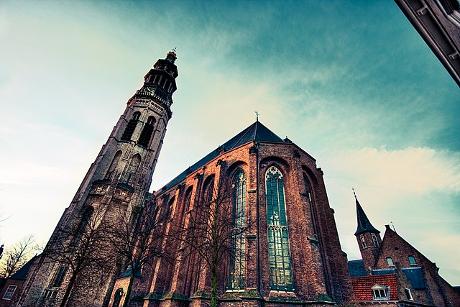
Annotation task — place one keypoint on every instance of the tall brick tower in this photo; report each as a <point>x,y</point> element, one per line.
<point>117,183</point>
<point>368,237</point>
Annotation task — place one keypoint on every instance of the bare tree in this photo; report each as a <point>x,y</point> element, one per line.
<point>80,246</point>
<point>211,231</point>
<point>137,241</point>
<point>16,256</point>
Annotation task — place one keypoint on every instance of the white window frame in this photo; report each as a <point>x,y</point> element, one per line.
<point>408,294</point>
<point>363,241</point>
<point>8,295</point>
<point>375,241</point>
<point>378,290</point>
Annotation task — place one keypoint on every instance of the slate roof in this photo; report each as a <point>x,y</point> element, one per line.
<point>21,274</point>
<point>383,271</point>
<point>256,132</point>
<point>364,225</point>
<point>415,277</point>
<point>356,268</point>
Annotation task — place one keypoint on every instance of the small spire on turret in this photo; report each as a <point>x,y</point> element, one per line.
<point>172,56</point>
<point>364,225</point>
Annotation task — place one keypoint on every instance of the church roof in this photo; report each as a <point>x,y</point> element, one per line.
<point>364,225</point>
<point>356,268</point>
<point>21,274</point>
<point>256,132</point>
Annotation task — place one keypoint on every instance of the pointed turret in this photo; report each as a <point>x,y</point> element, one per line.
<point>364,225</point>
<point>368,237</point>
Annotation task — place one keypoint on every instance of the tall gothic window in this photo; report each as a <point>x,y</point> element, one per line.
<point>113,165</point>
<point>238,256</point>
<point>130,127</point>
<point>131,169</point>
<point>278,235</point>
<point>146,133</point>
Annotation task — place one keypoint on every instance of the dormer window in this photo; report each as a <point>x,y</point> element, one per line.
<point>412,260</point>
<point>390,261</point>
<point>380,293</point>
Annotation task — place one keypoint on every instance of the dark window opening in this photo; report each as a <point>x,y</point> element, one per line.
<point>146,134</point>
<point>59,277</point>
<point>130,127</point>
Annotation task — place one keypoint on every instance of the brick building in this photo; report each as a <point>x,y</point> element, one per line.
<point>393,272</point>
<point>287,252</point>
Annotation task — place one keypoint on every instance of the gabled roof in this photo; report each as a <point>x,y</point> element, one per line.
<point>256,132</point>
<point>415,277</point>
<point>21,274</point>
<point>364,225</point>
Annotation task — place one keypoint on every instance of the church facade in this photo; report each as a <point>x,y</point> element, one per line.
<point>287,252</point>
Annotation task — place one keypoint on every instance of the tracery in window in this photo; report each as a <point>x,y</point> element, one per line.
<point>130,127</point>
<point>238,256</point>
<point>146,134</point>
<point>278,234</point>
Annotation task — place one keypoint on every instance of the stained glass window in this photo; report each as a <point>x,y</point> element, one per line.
<point>238,257</point>
<point>278,235</point>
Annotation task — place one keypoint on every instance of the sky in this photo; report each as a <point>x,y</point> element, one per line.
<point>351,82</point>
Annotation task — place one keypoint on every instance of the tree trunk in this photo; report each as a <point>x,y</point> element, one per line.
<point>128,290</point>
<point>68,289</point>
<point>214,302</point>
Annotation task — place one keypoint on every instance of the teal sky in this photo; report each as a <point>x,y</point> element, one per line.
<point>351,82</point>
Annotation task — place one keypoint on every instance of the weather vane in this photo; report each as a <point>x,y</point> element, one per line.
<point>257,115</point>
<point>354,193</point>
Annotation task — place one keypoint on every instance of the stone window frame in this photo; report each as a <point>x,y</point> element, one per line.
<point>280,227</point>
<point>239,199</point>
<point>380,292</point>
<point>9,293</point>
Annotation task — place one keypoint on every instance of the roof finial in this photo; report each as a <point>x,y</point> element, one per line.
<point>257,115</point>
<point>392,225</point>
<point>354,193</point>
<point>171,56</point>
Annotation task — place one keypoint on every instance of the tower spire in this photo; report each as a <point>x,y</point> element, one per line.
<point>364,225</point>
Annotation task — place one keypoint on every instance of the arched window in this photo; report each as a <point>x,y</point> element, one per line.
<point>208,191</point>
<point>131,169</point>
<point>117,297</point>
<point>363,241</point>
<point>146,133</point>
<point>130,127</point>
<point>375,240</point>
<point>238,255</point>
<point>113,165</point>
<point>278,236</point>
<point>186,204</point>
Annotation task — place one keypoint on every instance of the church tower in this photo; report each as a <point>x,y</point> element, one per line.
<point>116,186</point>
<point>368,237</point>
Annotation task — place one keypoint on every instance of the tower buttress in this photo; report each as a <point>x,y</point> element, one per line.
<point>368,237</point>
<point>116,184</point>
